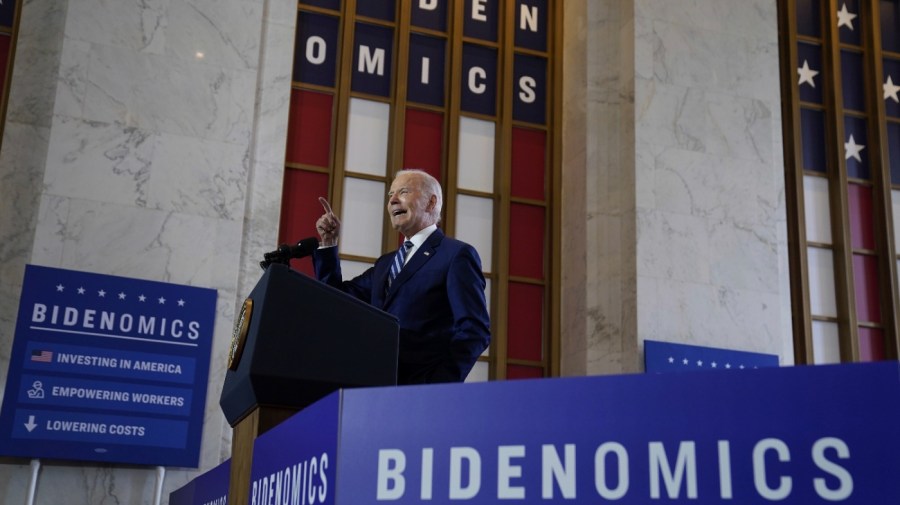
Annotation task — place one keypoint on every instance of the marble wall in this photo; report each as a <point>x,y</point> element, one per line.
<point>682,232</point>
<point>144,139</point>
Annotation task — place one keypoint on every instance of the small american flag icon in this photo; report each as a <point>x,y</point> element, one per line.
<point>42,356</point>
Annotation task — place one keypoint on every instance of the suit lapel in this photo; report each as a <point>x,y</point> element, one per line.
<point>422,256</point>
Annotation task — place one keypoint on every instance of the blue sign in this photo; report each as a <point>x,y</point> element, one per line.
<point>530,74</point>
<point>531,24</point>
<point>798,435</point>
<point>481,19</point>
<point>209,488</point>
<point>296,462</point>
<point>479,75</point>
<point>107,368</point>
<point>372,55</point>
<point>672,357</point>
<point>425,80</point>
<point>315,49</point>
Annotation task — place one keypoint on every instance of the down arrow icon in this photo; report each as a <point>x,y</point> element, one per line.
<point>30,425</point>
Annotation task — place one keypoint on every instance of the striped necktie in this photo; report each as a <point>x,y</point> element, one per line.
<point>399,260</point>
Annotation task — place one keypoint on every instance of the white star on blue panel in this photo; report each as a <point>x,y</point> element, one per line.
<point>891,89</point>
<point>807,74</point>
<point>852,149</point>
<point>845,17</point>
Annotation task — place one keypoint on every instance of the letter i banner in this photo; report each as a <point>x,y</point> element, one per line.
<point>103,365</point>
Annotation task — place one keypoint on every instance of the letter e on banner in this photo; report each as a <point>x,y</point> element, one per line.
<point>481,19</point>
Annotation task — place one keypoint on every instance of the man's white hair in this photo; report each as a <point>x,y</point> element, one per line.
<point>429,186</point>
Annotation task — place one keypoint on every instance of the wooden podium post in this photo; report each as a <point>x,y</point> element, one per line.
<point>297,340</point>
<point>244,433</point>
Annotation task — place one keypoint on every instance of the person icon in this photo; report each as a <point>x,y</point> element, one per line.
<point>37,391</point>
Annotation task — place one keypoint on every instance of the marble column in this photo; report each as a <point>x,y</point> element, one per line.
<point>144,139</point>
<point>672,124</point>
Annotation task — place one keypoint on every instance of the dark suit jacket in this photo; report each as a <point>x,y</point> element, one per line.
<point>438,298</point>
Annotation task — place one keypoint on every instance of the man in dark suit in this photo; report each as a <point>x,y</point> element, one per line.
<point>434,286</point>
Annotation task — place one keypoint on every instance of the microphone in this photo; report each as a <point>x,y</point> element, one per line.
<point>286,252</point>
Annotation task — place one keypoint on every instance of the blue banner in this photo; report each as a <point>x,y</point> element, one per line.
<point>425,81</point>
<point>481,19</point>
<point>209,488</point>
<point>530,97</point>
<point>673,357</point>
<point>800,435</point>
<point>808,435</point>
<point>479,80</point>
<point>315,49</point>
<point>372,57</point>
<point>104,365</point>
<point>296,462</point>
<point>531,24</point>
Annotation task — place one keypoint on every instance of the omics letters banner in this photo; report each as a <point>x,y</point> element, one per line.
<point>107,368</point>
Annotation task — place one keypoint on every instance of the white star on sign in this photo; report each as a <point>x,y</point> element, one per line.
<point>162,301</point>
<point>845,18</point>
<point>121,296</point>
<point>60,288</point>
<point>699,363</point>
<point>80,291</point>
<point>890,90</point>
<point>181,303</point>
<point>671,359</point>
<point>807,74</point>
<point>852,149</point>
<point>142,298</point>
<point>101,293</point>
<point>684,361</point>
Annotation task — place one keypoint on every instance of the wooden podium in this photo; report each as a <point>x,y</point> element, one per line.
<point>295,341</point>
